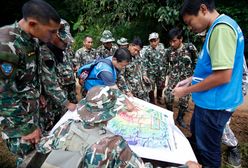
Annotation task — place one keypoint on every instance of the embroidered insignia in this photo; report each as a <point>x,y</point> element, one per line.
<point>31,53</point>
<point>7,69</point>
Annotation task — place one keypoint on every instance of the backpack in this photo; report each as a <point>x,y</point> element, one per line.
<point>84,71</point>
<point>71,150</point>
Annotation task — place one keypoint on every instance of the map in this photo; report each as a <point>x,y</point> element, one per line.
<point>146,127</point>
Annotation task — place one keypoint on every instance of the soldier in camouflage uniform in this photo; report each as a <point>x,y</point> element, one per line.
<point>99,147</point>
<point>134,77</point>
<point>154,63</point>
<point>54,101</point>
<point>19,82</point>
<point>107,48</point>
<point>60,46</point>
<point>86,54</point>
<point>179,67</point>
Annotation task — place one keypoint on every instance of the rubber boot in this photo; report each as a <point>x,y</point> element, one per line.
<point>179,118</point>
<point>234,157</point>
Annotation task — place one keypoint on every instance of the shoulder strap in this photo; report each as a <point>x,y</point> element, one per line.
<point>106,61</point>
<point>9,57</point>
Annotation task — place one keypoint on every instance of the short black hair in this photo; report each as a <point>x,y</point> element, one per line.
<point>137,41</point>
<point>41,11</point>
<point>192,7</point>
<point>87,36</point>
<point>122,54</point>
<point>175,32</point>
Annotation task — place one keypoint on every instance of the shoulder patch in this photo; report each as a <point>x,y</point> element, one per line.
<point>7,69</point>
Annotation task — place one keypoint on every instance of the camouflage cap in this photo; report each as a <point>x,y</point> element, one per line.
<point>101,104</point>
<point>64,32</point>
<point>122,41</point>
<point>107,37</point>
<point>153,35</point>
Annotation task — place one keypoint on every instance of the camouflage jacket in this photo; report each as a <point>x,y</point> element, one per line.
<point>179,64</point>
<point>99,147</point>
<point>155,62</point>
<point>102,52</point>
<point>84,56</point>
<point>65,69</point>
<point>133,76</point>
<point>49,77</point>
<point>19,82</point>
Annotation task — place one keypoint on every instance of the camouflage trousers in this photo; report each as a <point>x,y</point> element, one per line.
<point>183,102</point>
<point>20,148</point>
<point>112,152</point>
<point>70,90</point>
<point>228,137</point>
<point>156,84</point>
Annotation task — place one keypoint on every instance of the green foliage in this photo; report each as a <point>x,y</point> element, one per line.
<point>236,12</point>
<point>129,18</point>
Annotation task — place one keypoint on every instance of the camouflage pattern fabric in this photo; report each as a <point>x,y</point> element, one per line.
<point>101,104</point>
<point>228,137</point>
<point>19,86</point>
<point>100,148</point>
<point>179,68</point>
<point>64,32</point>
<point>131,79</point>
<point>84,56</point>
<point>193,53</point>
<point>66,76</point>
<point>245,78</point>
<point>102,52</point>
<point>54,96</point>
<point>112,152</point>
<point>19,148</point>
<point>154,63</point>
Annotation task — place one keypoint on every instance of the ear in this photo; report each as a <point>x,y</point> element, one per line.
<point>204,9</point>
<point>181,40</point>
<point>32,22</point>
<point>114,59</point>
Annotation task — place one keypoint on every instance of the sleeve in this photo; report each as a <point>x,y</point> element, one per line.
<point>145,63</point>
<point>163,65</point>
<point>107,78</point>
<point>76,60</point>
<point>49,77</point>
<point>121,82</point>
<point>18,112</point>
<point>222,47</point>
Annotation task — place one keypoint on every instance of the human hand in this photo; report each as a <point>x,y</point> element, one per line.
<point>180,91</point>
<point>80,81</point>
<point>71,106</point>
<point>146,79</point>
<point>42,101</point>
<point>33,137</point>
<point>129,94</point>
<point>192,164</point>
<point>130,106</point>
<point>184,83</point>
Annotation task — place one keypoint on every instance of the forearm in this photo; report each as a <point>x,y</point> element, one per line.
<point>218,78</point>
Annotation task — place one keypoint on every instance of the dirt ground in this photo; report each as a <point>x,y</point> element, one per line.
<point>238,124</point>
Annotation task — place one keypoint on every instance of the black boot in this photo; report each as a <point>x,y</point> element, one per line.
<point>179,119</point>
<point>234,157</point>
